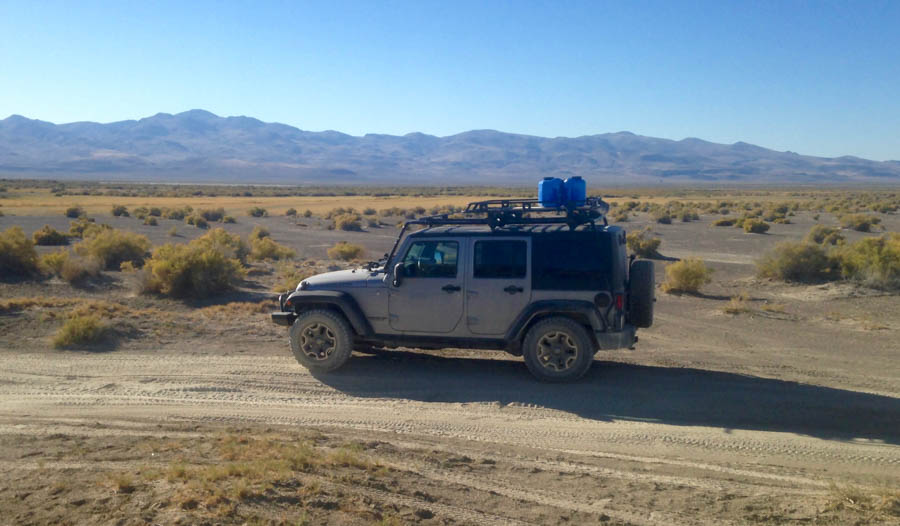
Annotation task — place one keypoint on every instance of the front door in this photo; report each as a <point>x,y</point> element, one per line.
<point>430,297</point>
<point>498,284</point>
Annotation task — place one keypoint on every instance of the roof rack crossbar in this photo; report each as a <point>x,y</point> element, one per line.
<point>499,213</point>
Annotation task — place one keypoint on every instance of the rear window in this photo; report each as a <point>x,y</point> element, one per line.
<point>572,261</point>
<point>501,259</point>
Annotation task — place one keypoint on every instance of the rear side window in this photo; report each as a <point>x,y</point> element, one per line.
<point>431,259</point>
<point>501,259</point>
<point>571,261</point>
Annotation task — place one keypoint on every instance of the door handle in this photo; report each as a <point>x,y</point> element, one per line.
<point>451,288</point>
<point>512,289</point>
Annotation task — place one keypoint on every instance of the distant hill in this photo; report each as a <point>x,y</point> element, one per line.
<point>198,146</point>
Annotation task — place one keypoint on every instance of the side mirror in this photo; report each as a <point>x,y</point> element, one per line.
<point>399,272</point>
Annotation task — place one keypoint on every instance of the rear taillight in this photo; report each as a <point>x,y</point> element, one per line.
<point>620,301</point>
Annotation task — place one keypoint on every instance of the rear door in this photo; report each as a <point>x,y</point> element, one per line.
<point>430,297</point>
<point>498,283</point>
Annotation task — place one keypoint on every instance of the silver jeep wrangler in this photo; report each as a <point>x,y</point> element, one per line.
<point>554,289</point>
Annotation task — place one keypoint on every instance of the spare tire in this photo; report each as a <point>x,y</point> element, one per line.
<point>641,293</point>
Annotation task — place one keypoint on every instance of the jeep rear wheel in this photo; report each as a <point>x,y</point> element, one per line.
<point>321,340</point>
<point>558,350</point>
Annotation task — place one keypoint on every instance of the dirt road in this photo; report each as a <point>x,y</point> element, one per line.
<point>632,443</point>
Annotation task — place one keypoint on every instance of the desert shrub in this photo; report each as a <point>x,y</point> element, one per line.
<point>824,235</point>
<point>173,232</point>
<point>83,227</point>
<point>52,262</point>
<point>17,254</point>
<point>348,222</point>
<point>141,212</point>
<point>198,269</point>
<point>120,211</point>
<point>620,215</point>
<point>155,212</point>
<point>687,275</point>
<point>231,245</point>
<point>212,214</point>
<point>290,212</point>
<point>346,251</point>
<point>642,244</point>
<point>371,211</point>
<point>723,222</point>
<point>151,221</point>
<point>800,262</point>
<point>874,261</point>
<point>755,226</point>
<point>79,330</point>
<point>688,215</point>
<point>74,212</point>
<point>372,222</point>
<point>289,276</point>
<point>662,217</point>
<point>307,213</point>
<point>198,221</point>
<point>229,219</point>
<point>76,269</point>
<point>257,211</point>
<point>49,236</point>
<point>263,248</point>
<point>860,222</point>
<point>259,232</point>
<point>111,247</point>
<point>177,214</point>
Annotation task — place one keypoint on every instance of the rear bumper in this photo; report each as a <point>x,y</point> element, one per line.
<point>284,318</point>
<point>623,339</point>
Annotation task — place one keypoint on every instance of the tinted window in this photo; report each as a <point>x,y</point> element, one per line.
<point>571,261</point>
<point>431,259</point>
<point>500,259</point>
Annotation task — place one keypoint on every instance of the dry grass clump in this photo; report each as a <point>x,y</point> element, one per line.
<point>860,222</point>
<point>49,236</point>
<point>755,226</point>
<point>17,254</point>
<point>113,247</point>
<point>642,244</point>
<point>824,235</point>
<point>206,266</point>
<point>739,304</point>
<point>687,275</point>
<point>346,251</point>
<point>878,506</point>
<point>265,248</point>
<point>79,330</point>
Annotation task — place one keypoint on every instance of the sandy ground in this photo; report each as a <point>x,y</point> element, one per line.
<point>776,416</point>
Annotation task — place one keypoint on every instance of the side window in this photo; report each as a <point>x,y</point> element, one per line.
<point>502,259</point>
<point>431,259</point>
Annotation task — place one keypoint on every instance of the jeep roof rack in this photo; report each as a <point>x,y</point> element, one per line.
<point>500,213</point>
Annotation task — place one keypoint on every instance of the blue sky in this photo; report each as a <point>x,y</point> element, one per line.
<point>820,78</point>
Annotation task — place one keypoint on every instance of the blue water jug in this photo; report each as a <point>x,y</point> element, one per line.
<point>576,191</point>
<point>551,192</point>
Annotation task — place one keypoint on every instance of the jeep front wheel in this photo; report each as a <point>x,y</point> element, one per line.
<point>321,340</point>
<point>558,350</point>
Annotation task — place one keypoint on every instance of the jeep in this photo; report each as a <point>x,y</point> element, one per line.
<point>550,285</point>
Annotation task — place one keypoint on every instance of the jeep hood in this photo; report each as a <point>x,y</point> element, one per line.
<point>338,279</point>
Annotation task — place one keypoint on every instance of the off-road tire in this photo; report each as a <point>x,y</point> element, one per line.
<point>326,332</point>
<point>642,293</point>
<point>560,332</point>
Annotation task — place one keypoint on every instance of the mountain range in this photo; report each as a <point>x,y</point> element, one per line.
<point>198,146</point>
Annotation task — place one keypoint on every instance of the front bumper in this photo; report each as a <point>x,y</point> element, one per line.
<point>284,318</point>
<point>623,339</point>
